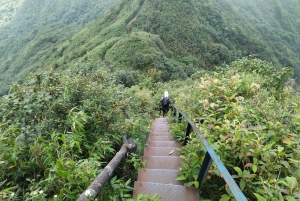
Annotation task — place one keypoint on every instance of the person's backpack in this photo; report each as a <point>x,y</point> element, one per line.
<point>165,102</point>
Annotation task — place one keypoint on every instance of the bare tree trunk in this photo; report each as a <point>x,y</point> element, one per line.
<point>95,187</point>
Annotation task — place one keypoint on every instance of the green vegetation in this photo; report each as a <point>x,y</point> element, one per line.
<point>59,131</point>
<point>84,82</point>
<point>182,37</point>
<point>36,30</point>
<point>252,124</point>
<point>217,31</point>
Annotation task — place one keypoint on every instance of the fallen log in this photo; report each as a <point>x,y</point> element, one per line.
<point>95,187</point>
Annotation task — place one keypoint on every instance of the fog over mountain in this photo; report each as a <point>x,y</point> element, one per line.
<point>7,11</point>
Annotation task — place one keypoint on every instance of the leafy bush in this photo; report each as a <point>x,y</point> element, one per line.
<point>128,78</point>
<point>58,131</point>
<point>252,126</point>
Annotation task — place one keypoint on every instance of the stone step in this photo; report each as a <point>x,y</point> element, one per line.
<point>161,151</point>
<point>159,130</point>
<point>163,144</point>
<point>162,162</point>
<point>161,138</point>
<point>163,176</point>
<point>161,122</point>
<point>160,133</point>
<point>163,128</point>
<point>166,192</point>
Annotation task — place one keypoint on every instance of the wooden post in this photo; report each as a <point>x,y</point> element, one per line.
<point>95,187</point>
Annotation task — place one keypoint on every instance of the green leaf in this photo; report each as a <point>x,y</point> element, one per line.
<point>115,186</point>
<point>62,173</point>
<point>113,180</point>
<point>225,198</point>
<point>254,168</point>
<point>59,165</point>
<point>2,182</point>
<point>297,173</point>
<point>228,191</point>
<point>148,196</point>
<point>292,181</point>
<point>285,163</point>
<point>246,174</point>
<point>242,184</point>
<point>290,198</point>
<point>239,171</point>
<point>181,177</point>
<point>128,182</point>
<point>71,180</point>
<point>189,184</point>
<point>259,197</point>
<point>70,196</point>
<point>10,189</point>
<point>139,196</point>
<point>231,97</point>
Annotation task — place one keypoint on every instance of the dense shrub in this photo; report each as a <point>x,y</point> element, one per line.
<point>58,131</point>
<point>252,124</point>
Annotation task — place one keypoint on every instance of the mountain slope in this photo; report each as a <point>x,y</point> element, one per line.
<point>36,29</point>
<point>217,31</point>
<point>183,36</point>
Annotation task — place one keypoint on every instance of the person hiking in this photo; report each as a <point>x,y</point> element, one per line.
<point>165,103</point>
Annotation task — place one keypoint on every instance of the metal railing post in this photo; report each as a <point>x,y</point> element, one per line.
<point>174,111</point>
<point>187,134</point>
<point>210,157</point>
<point>179,117</point>
<point>204,169</point>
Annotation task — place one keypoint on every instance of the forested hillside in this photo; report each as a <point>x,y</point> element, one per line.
<point>221,31</point>
<point>34,29</point>
<point>189,35</point>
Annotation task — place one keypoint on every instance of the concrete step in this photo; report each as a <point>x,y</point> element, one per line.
<point>163,176</point>
<point>162,162</point>
<point>161,122</point>
<point>161,151</point>
<point>166,192</point>
<point>160,138</point>
<point>160,133</point>
<point>163,144</point>
<point>162,128</point>
<point>158,127</point>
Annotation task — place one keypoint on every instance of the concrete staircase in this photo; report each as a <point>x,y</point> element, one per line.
<point>162,162</point>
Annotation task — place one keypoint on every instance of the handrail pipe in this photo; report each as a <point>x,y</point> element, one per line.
<point>210,157</point>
